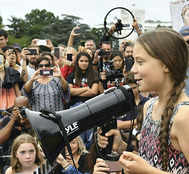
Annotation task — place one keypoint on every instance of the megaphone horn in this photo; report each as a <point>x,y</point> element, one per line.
<point>93,112</point>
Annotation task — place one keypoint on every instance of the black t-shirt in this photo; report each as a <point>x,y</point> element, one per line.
<point>84,83</point>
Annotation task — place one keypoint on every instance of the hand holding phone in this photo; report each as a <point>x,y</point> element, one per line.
<point>57,52</point>
<point>77,31</point>
<point>46,72</point>
<point>31,51</point>
<point>41,42</point>
<point>69,57</point>
<point>114,166</point>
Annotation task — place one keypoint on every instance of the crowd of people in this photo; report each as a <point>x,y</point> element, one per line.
<point>150,139</point>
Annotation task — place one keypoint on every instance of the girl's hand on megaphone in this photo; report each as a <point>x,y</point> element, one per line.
<point>118,144</point>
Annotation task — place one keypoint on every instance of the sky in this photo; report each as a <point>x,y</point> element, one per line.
<point>92,12</point>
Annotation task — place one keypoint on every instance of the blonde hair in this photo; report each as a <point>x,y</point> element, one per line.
<point>24,138</point>
<point>81,146</point>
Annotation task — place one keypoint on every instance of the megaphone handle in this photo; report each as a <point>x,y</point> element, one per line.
<point>105,128</point>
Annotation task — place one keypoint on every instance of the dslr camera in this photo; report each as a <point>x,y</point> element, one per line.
<point>102,53</point>
<point>114,74</point>
<point>17,123</point>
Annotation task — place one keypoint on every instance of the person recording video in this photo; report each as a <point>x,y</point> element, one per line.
<point>47,89</point>
<point>113,76</point>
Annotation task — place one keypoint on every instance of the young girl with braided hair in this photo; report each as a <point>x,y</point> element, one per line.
<point>161,61</point>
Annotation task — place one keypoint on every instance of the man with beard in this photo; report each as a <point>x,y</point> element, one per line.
<point>104,64</point>
<point>3,38</point>
<point>32,57</point>
<point>128,55</point>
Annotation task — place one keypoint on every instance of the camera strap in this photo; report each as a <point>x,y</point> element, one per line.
<point>64,134</point>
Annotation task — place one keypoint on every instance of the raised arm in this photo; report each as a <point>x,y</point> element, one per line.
<point>72,36</point>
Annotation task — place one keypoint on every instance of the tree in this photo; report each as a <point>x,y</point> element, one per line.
<point>59,31</point>
<point>18,27</point>
<point>45,25</point>
<point>41,17</point>
<point>1,22</point>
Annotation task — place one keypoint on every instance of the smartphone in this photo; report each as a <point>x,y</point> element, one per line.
<point>77,31</point>
<point>41,42</point>
<point>114,166</point>
<point>69,57</point>
<point>57,52</point>
<point>46,72</point>
<point>32,51</point>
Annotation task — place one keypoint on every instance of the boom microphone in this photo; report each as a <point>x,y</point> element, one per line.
<point>94,112</point>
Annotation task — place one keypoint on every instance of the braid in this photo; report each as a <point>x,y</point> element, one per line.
<point>166,117</point>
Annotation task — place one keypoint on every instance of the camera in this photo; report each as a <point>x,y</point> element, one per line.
<point>102,52</point>
<point>17,123</point>
<point>114,74</point>
<point>46,72</point>
<point>32,51</point>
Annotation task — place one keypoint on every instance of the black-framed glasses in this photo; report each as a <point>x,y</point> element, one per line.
<point>44,65</point>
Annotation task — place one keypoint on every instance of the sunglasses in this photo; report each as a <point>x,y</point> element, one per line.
<point>44,65</point>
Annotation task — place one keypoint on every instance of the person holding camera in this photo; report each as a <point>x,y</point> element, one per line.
<point>13,62</point>
<point>47,89</point>
<point>9,84</point>
<point>68,61</point>
<point>114,75</point>
<point>30,54</point>
<point>13,123</point>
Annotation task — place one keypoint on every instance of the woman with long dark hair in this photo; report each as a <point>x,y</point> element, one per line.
<point>83,84</point>
<point>83,81</point>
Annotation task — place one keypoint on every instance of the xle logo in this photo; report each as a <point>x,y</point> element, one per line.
<point>72,128</point>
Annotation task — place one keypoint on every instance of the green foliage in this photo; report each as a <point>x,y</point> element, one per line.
<point>18,27</point>
<point>1,22</point>
<point>23,41</point>
<point>45,25</point>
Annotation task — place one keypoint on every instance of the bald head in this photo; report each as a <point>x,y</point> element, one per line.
<point>21,101</point>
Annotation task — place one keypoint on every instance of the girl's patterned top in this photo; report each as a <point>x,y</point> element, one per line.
<point>149,145</point>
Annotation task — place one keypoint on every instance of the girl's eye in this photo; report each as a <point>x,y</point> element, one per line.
<point>140,62</point>
<point>22,152</point>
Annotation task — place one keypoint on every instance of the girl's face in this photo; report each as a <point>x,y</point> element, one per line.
<point>83,63</point>
<point>117,62</point>
<point>149,72</point>
<point>26,154</point>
